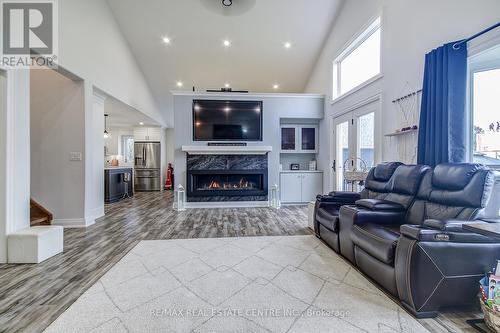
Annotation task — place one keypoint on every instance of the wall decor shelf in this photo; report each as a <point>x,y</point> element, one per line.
<point>402,133</point>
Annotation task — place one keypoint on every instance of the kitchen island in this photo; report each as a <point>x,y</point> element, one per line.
<point>118,182</point>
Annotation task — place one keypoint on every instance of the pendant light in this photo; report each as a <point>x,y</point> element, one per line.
<point>106,135</point>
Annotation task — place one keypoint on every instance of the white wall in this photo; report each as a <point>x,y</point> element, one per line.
<point>92,46</point>
<point>57,128</point>
<point>168,151</point>
<point>410,30</point>
<point>169,146</point>
<point>275,106</point>
<point>15,161</point>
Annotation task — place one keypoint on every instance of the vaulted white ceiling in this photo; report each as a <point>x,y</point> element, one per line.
<point>122,115</point>
<point>196,56</point>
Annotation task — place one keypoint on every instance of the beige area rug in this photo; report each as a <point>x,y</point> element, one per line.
<point>256,284</point>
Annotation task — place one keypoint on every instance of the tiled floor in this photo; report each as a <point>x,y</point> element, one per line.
<point>257,284</point>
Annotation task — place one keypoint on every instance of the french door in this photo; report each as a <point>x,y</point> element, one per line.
<point>354,143</point>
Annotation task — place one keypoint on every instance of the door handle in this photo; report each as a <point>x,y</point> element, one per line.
<point>334,166</point>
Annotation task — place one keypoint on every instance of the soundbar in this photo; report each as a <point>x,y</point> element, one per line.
<point>227,144</point>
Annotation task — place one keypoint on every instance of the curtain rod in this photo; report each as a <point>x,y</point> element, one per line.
<point>457,45</point>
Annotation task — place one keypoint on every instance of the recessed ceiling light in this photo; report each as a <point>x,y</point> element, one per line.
<point>179,84</point>
<point>276,86</point>
<point>227,85</point>
<point>166,40</point>
<point>226,43</point>
<point>227,109</point>
<point>288,45</point>
<point>141,123</point>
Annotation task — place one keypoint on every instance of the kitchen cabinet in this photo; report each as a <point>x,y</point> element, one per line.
<point>300,186</point>
<point>299,138</point>
<point>117,182</point>
<point>147,134</point>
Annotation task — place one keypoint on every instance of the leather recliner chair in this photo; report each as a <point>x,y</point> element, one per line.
<point>389,210</point>
<point>422,255</point>
<point>326,212</point>
<point>438,264</point>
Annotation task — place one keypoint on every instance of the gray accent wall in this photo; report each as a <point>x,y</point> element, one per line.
<point>275,107</point>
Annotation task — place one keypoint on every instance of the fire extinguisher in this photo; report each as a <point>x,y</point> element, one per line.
<point>169,183</point>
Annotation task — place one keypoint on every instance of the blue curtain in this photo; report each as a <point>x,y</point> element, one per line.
<point>443,131</point>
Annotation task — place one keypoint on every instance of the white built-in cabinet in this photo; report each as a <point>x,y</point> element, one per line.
<point>147,134</point>
<point>299,138</point>
<point>300,187</point>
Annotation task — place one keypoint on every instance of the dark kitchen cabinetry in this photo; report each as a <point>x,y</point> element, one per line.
<point>118,181</point>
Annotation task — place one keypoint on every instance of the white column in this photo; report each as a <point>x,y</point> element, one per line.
<point>94,152</point>
<point>15,154</point>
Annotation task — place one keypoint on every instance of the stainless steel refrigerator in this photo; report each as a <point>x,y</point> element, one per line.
<point>147,160</point>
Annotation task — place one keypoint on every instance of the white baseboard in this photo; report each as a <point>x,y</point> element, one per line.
<point>71,223</point>
<point>82,222</point>
<point>89,221</point>
<point>95,214</point>
<point>228,204</point>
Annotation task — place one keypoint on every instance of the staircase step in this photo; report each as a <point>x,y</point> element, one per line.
<point>39,220</point>
<point>39,216</point>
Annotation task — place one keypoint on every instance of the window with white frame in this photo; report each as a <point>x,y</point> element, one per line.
<point>359,62</point>
<point>485,98</point>
<point>128,148</point>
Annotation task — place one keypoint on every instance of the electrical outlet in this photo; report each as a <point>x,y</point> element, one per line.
<point>75,156</point>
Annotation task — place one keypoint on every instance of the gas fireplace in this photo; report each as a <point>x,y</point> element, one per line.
<point>227,183</point>
<point>212,178</point>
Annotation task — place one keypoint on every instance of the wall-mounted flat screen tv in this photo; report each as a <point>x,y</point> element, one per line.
<point>227,120</point>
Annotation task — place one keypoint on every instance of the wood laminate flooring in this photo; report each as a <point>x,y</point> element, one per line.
<point>33,296</point>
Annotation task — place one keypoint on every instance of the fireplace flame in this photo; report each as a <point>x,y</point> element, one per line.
<point>214,185</point>
<point>242,184</point>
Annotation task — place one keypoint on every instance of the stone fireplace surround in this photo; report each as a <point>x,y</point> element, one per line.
<point>247,168</point>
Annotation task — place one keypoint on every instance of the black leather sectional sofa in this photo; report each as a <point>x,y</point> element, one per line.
<point>404,230</point>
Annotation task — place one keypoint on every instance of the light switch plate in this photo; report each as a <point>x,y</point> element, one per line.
<point>75,156</point>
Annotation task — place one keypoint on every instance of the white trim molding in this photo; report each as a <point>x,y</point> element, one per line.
<point>73,223</point>
<point>99,97</point>
<point>15,170</point>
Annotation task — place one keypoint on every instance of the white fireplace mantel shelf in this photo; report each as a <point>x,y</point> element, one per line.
<point>227,150</point>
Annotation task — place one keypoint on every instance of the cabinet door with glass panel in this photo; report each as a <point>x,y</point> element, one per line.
<point>289,139</point>
<point>299,138</point>
<point>308,138</point>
